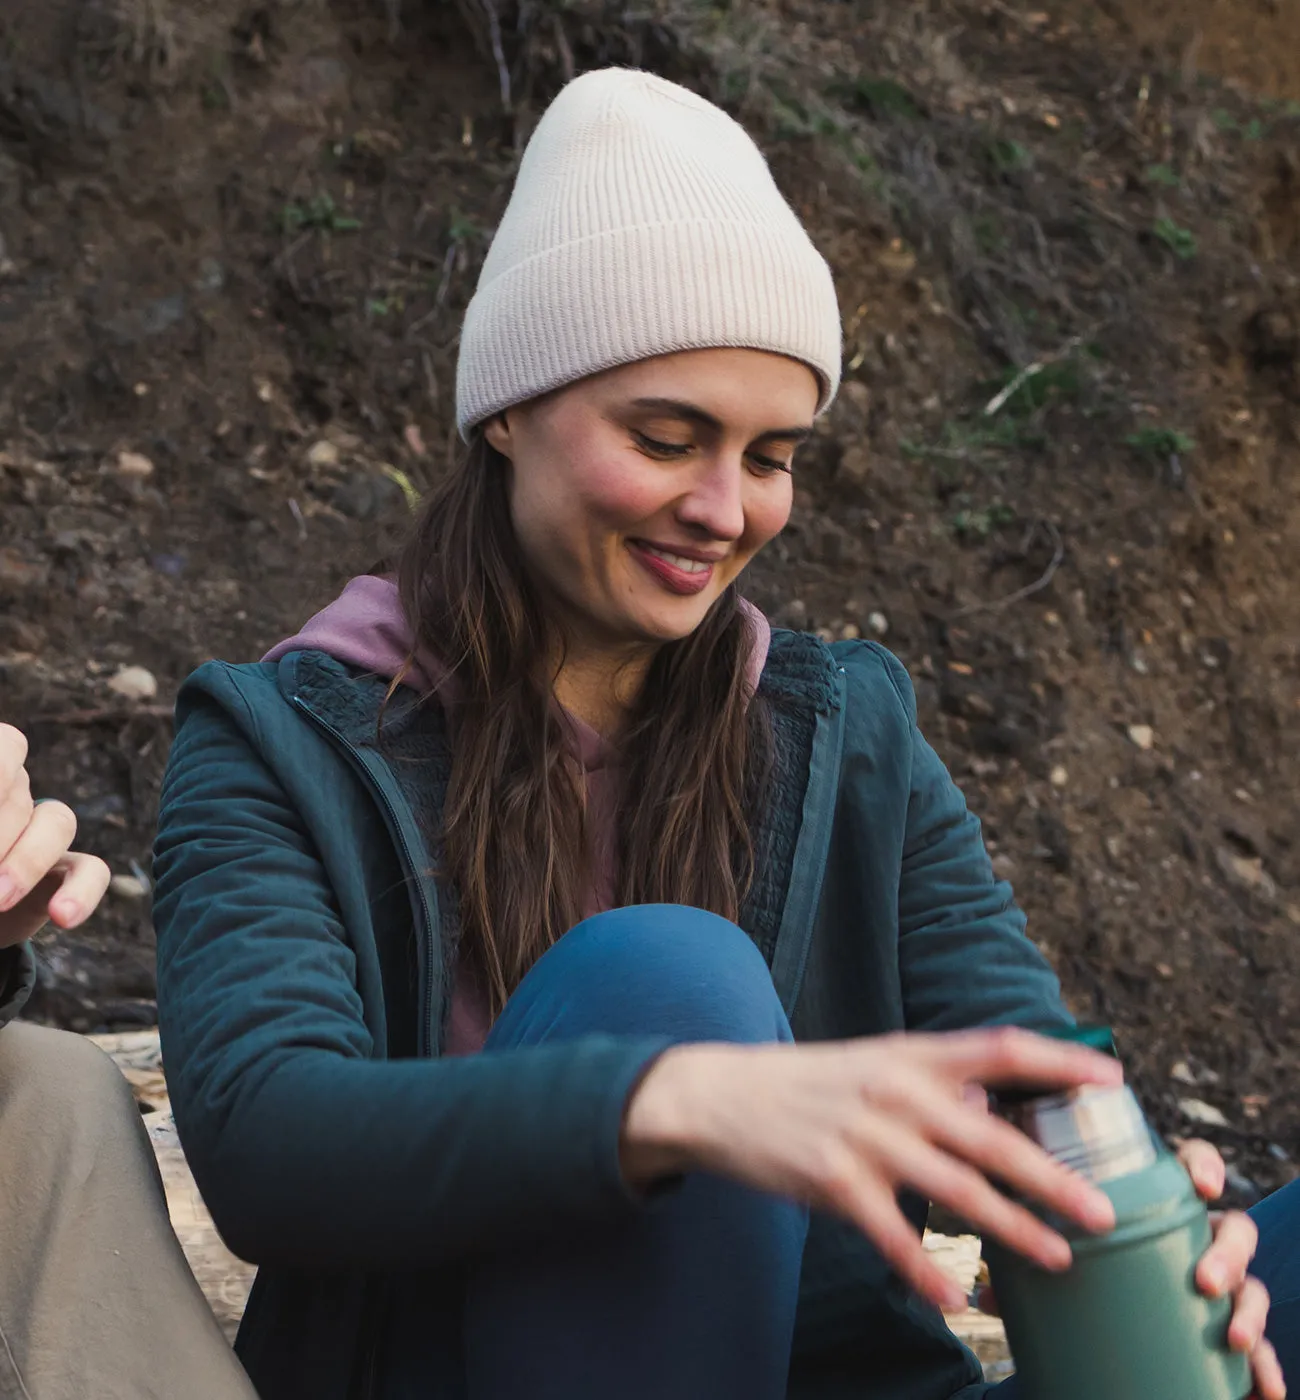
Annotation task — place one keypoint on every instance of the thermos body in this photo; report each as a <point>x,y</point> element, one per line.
<point>1126,1321</point>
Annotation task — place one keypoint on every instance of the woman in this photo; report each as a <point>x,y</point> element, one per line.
<point>491,907</point>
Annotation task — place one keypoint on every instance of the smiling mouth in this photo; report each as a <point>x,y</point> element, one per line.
<point>678,561</point>
<point>682,574</point>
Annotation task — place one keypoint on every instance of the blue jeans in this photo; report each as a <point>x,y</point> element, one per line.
<point>695,1296</point>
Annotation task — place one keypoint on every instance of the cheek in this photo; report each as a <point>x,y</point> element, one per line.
<point>617,495</point>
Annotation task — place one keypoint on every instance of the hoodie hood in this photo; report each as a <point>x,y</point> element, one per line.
<point>366,627</point>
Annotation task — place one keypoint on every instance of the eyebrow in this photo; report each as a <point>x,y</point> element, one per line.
<point>692,413</point>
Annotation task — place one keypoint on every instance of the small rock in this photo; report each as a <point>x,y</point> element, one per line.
<point>1142,735</point>
<point>1164,971</point>
<point>1198,1111</point>
<point>1003,866</point>
<point>1182,1072</point>
<point>1059,776</point>
<point>850,632</point>
<point>978,706</point>
<point>825,634</point>
<point>135,466</point>
<point>134,683</point>
<point>363,495</point>
<point>1114,847</point>
<point>793,615</point>
<point>878,623</point>
<point>322,454</point>
<point>128,887</point>
<point>1245,872</point>
<point>1278,1153</point>
<point>211,276</point>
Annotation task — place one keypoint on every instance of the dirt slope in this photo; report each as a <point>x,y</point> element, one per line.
<point>238,239</point>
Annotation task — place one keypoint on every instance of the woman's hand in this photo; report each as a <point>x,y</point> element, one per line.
<point>844,1126</point>
<point>1223,1266</point>
<point>40,878</point>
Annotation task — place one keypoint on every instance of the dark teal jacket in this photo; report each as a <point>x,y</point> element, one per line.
<point>303,954</point>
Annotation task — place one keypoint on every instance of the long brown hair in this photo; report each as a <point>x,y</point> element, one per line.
<point>696,748</point>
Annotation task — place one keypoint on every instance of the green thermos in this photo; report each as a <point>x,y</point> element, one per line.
<point>1126,1320</point>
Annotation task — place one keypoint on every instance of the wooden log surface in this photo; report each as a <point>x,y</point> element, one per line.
<point>225,1280</point>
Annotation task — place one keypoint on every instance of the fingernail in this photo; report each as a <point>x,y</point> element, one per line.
<point>1099,1212</point>
<point>8,892</point>
<point>1060,1256</point>
<point>1215,1277</point>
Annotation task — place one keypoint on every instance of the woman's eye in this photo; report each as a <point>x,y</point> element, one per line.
<point>769,464</point>
<point>661,449</point>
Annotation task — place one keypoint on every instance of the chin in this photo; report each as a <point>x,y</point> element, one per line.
<point>671,624</point>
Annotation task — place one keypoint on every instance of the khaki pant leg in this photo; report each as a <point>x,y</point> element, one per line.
<point>96,1299</point>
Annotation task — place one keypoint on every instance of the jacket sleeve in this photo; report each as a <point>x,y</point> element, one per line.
<point>17,976</point>
<point>308,1151</point>
<point>964,956</point>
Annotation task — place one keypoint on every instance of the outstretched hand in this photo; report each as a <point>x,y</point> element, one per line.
<point>40,877</point>
<point>844,1126</point>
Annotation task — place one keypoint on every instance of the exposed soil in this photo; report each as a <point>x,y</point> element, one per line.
<point>237,241</point>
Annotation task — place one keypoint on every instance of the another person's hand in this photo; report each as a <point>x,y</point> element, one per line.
<point>40,878</point>
<point>1223,1270</point>
<point>844,1126</point>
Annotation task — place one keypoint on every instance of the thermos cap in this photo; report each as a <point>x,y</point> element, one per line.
<point>1101,1133</point>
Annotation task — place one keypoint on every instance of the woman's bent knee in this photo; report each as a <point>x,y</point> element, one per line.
<point>650,969</point>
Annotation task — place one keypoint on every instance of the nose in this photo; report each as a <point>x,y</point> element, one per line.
<point>715,503</point>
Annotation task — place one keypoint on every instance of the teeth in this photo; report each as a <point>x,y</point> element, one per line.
<point>678,561</point>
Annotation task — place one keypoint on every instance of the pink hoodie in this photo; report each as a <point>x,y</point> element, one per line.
<point>366,627</point>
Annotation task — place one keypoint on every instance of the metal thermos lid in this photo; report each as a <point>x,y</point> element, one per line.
<point>1101,1133</point>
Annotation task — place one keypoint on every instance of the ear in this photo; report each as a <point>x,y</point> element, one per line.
<point>497,431</point>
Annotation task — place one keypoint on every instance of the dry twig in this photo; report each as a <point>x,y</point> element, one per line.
<point>997,604</point>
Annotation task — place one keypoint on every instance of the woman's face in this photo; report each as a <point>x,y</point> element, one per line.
<point>639,494</point>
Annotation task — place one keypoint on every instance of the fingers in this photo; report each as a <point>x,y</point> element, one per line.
<point>1206,1168</point>
<point>1223,1266</point>
<point>961,1188</point>
<point>1249,1314</point>
<point>1007,1055</point>
<point>83,884</point>
<point>871,1205</point>
<point>36,851</point>
<point>16,807</point>
<point>1269,1381</point>
<point>1000,1150</point>
<point>13,755</point>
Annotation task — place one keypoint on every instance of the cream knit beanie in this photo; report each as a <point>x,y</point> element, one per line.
<point>643,220</point>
